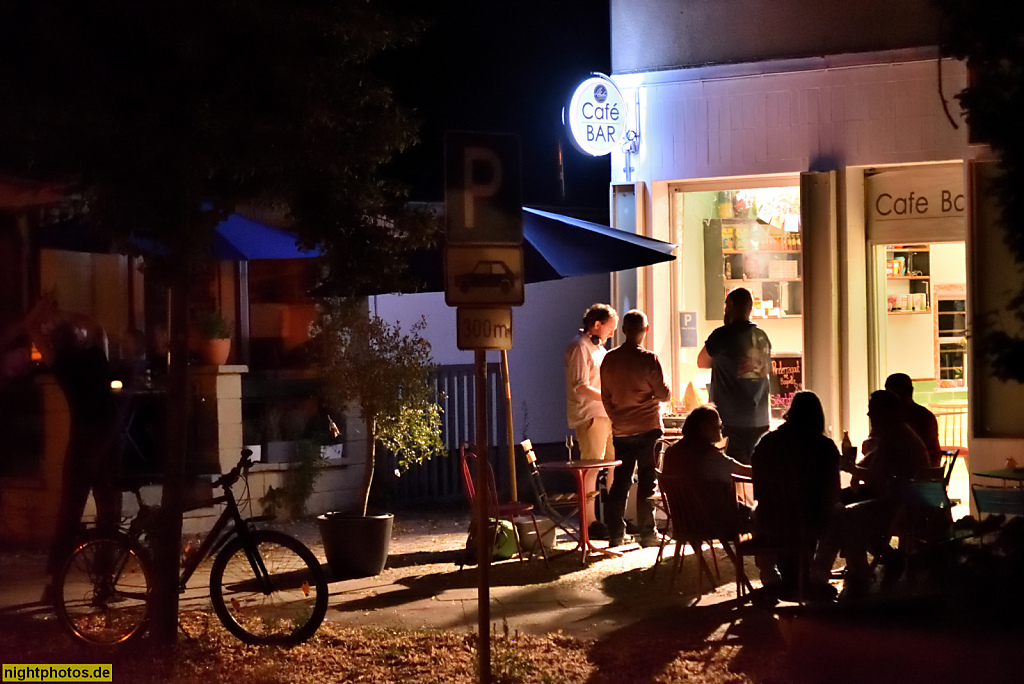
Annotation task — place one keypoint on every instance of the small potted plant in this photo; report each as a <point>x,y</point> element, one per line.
<point>214,345</point>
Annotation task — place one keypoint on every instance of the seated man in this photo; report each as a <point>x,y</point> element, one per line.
<point>920,419</point>
<point>893,455</point>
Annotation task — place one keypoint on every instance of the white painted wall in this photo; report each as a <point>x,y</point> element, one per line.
<point>541,329</point>
<point>706,123</point>
<point>910,342</point>
<point>948,264</point>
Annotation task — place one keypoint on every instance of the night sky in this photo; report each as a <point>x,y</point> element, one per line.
<point>505,67</point>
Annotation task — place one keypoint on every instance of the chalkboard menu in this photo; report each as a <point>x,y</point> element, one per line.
<point>787,380</point>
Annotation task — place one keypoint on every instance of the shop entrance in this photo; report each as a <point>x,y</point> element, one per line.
<point>924,326</point>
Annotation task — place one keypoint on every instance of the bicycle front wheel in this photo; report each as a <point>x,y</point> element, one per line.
<point>272,592</point>
<point>102,592</point>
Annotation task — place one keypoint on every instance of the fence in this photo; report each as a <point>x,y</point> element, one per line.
<point>438,481</point>
<point>952,424</point>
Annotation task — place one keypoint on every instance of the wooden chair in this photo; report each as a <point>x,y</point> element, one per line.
<point>468,462</point>
<point>694,523</point>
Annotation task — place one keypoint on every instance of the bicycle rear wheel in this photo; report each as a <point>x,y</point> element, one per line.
<point>274,593</point>
<point>102,592</point>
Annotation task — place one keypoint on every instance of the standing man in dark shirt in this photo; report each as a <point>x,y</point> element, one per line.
<point>632,389</point>
<point>739,355</point>
<point>921,420</point>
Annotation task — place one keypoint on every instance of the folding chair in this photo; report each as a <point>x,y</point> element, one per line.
<point>924,521</point>
<point>780,533</point>
<point>560,508</point>
<point>694,523</point>
<point>993,501</point>
<point>468,461</point>
<point>948,462</point>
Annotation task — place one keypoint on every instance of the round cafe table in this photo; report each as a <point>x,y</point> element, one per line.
<point>579,468</point>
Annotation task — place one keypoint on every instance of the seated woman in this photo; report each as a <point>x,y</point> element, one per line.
<point>697,460</point>
<point>796,484</point>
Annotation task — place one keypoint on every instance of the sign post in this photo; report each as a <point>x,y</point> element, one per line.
<point>483,278</point>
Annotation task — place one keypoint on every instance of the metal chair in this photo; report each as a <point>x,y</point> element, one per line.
<point>693,523</point>
<point>948,462</point>
<point>560,508</point>
<point>468,462</point>
<point>996,501</point>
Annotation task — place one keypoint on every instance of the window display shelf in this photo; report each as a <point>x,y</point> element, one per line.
<point>904,313</point>
<point>908,279</point>
<point>762,257</point>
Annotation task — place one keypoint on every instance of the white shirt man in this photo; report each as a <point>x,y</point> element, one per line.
<point>584,409</point>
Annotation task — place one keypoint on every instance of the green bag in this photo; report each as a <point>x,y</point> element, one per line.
<point>504,541</point>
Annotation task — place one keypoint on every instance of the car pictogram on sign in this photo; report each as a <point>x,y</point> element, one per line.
<point>487,273</point>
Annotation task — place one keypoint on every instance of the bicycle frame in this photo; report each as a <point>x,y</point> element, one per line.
<point>217,537</point>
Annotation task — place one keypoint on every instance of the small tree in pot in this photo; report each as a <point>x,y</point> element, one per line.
<point>371,363</point>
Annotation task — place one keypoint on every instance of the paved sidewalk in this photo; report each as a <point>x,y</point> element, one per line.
<point>423,587</point>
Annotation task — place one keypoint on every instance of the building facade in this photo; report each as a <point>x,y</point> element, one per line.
<point>816,156</point>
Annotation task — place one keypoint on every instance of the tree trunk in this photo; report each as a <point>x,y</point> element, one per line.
<point>168,541</point>
<point>371,460</point>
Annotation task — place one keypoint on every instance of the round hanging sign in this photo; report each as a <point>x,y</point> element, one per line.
<point>596,116</point>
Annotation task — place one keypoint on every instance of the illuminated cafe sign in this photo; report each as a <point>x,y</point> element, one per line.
<point>596,116</point>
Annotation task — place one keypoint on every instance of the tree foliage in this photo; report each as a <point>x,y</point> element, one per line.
<point>989,38</point>
<point>369,362</point>
<point>170,115</point>
<point>166,116</point>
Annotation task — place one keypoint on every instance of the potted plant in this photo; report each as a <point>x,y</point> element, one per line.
<point>214,333</point>
<point>372,365</point>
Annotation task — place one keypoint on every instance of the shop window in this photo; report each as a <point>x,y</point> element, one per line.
<point>748,237</point>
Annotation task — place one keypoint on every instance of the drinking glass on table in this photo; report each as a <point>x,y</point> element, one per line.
<point>568,445</point>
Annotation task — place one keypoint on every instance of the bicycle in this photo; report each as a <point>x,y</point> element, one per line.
<point>266,587</point>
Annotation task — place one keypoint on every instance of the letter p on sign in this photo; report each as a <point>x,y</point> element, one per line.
<point>482,174</point>
<point>483,195</point>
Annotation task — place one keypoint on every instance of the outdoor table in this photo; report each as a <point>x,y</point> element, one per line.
<point>1005,474</point>
<point>579,468</point>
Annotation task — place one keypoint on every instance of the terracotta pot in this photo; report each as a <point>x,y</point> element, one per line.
<point>215,352</point>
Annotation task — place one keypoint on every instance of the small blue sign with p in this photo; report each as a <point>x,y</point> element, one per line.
<point>688,329</point>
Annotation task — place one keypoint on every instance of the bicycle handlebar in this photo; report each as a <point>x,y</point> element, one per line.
<point>231,477</point>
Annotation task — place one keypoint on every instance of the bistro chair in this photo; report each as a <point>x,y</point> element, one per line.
<point>948,462</point>
<point>694,523</point>
<point>924,522</point>
<point>560,508</point>
<point>780,533</point>
<point>996,502</point>
<point>468,462</point>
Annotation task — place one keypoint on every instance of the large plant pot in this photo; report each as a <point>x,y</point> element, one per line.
<point>356,545</point>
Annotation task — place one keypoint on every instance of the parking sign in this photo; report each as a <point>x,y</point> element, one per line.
<point>483,189</point>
